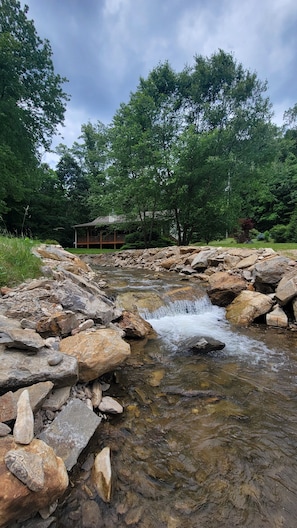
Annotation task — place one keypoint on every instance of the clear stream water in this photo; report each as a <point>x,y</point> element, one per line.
<point>226,457</point>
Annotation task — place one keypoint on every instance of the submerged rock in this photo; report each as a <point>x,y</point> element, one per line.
<point>202,345</point>
<point>101,474</point>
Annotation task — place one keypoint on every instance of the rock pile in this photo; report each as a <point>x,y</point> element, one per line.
<point>253,285</point>
<point>58,336</point>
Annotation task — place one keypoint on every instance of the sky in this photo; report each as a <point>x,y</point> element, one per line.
<point>103,47</point>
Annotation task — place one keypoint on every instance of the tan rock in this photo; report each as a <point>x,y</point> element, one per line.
<point>247,307</point>
<point>247,261</point>
<point>101,474</point>
<point>96,394</point>
<point>17,501</point>
<point>135,326</point>
<point>110,405</point>
<point>97,352</point>
<point>287,288</point>
<point>277,317</point>
<point>57,324</point>
<point>37,394</point>
<point>23,430</point>
<point>223,287</point>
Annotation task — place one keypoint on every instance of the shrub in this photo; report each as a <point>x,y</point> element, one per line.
<point>279,233</point>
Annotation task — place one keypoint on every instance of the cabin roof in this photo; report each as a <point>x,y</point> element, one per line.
<point>121,219</point>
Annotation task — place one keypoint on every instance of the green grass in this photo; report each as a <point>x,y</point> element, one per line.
<point>17,263</point>
<point>230,242</point>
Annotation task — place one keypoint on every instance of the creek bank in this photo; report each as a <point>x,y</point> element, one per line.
<point>254,285</point>
<point>61,338</point>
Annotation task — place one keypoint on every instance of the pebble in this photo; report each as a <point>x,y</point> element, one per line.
<point>55,359</point>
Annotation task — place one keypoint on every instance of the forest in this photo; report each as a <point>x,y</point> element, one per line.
<point>199,143</point>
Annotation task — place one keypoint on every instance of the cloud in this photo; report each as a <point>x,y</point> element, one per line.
<point>104,46</point>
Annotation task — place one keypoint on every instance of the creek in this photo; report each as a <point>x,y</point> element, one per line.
<point>205,441</point>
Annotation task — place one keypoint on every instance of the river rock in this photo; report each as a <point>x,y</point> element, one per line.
<point>224,287</point>
<point>97,351</point>
<point>74,298</point>
<point>270,271</point>
<point>96,395</point>
<point>101,474</point>
<point>202,345</point>
<point>23,430</point>
<point>277,317</point>
<point>27,467</point>
<point>247,307</point>
<point>56,399</point>
<point>201,260</point>
<point>58,324</point>
<point>4,429</point>
<point>17,501</point>
<point>18,369</point>
<point>71,431</point>
<point>134,326</point>
<point>26,339</point>
<point>37,394</point>
<point>110,405</point>
<point>287,288</point>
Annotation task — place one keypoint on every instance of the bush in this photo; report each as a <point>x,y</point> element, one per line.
<point>279,233</point>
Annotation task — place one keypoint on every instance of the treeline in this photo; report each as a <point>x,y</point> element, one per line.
<point>199,143</point>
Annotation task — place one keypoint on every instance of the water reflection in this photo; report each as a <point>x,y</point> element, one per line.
<point>205,441</point>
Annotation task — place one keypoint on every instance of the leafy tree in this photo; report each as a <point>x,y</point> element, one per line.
<point>32,101</point>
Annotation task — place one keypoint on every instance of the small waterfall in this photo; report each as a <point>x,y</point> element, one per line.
<point>184,319</point>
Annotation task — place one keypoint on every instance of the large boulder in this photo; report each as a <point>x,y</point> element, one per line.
<point>269,272</point>
<point>247,306</point>
<point>96,351</point>
<point>17,500</point>
<point>224,287</point>
<point>287,288</point>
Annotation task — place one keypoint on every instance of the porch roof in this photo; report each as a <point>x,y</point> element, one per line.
<point>104,220</point>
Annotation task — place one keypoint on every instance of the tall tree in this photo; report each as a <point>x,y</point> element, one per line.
<point>32,100</point>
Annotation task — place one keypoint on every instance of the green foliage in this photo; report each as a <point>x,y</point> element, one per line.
<point>32,105</point>
<point>279,233</point>
<point>17,263</point>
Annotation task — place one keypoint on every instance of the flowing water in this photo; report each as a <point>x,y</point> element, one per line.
<point>205,441</point>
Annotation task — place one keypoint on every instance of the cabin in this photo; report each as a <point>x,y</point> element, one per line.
<point>103,232</point>
<point>109,232</point>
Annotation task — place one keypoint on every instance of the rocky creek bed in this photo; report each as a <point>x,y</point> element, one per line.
<point>63,337</point>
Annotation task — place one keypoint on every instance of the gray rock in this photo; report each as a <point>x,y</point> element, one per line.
<point>56,399</point>
<point>4,429</point>
<point>27,467</point>
<point>73,297</point>
<point>71,431</point>
<point>271,270</point>
<point>18,369</point>
<point>25,339</point>
<point>202,345</point>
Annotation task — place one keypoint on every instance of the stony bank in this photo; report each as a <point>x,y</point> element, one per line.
<point>60,335</point>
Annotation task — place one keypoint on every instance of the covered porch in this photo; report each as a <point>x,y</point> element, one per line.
<point>100,233</point>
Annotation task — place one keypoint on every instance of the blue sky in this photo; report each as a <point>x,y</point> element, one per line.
<point>104,46</point>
